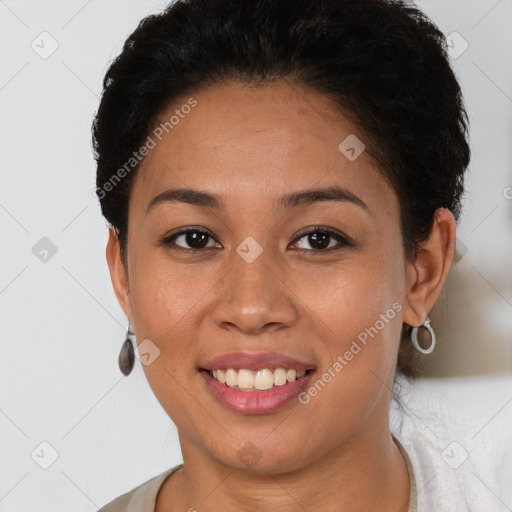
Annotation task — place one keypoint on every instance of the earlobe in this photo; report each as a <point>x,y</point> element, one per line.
<point>118,274</point>
<point>427,274</point>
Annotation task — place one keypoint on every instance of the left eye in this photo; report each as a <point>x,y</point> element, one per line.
<point>320,240</point>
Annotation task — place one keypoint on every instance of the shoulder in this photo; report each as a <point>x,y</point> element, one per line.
<point>142,498</point>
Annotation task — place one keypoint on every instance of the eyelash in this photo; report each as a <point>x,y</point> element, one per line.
<point>343,240</point>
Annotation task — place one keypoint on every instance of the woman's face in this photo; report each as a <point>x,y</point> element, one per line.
<point>257,278</point>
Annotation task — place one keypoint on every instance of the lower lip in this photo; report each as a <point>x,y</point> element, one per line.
<point>256,402</point>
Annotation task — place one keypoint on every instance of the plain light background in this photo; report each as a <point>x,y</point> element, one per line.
<point>62,395</point>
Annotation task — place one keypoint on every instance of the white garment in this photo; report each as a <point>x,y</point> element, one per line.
<point>456,433</point>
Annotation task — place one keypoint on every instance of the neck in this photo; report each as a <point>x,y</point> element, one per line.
<point>365,473</point>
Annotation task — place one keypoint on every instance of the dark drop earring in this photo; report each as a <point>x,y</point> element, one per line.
<point>127,354</point>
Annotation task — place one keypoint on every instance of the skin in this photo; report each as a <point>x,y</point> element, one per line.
<point>251,145</point>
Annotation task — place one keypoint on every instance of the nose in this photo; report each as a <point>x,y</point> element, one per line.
<point>254,297</point>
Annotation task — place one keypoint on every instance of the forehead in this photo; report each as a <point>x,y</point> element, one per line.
<point>256,141</point>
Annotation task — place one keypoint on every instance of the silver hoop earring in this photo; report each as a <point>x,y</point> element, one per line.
<point>414,337</point>
<point>127,354</point>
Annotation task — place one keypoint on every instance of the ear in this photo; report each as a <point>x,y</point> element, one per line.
<point>427,274</point>
<point>118,273</point>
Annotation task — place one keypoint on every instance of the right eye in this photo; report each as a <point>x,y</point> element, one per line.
<point>196,240</point>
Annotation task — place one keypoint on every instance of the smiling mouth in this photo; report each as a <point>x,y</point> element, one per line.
<point>264,379</point>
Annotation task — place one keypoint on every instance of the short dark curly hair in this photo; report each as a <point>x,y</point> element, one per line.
<point>383,62</point>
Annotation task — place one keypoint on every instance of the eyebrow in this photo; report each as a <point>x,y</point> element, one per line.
<point>292,200</point>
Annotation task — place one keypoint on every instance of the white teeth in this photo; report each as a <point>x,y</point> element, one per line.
<point>261,380</point>
<point>245,379</point>
<point>279,376</point>
<point>264,379</point>
<point>231,378</point>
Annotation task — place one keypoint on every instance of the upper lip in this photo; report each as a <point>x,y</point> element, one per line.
<point>255,361</point>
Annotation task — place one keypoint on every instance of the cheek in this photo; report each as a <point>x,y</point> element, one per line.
<point>357,315</point>
<point>351,298</point>
<point>163,294</point>
<point>166,302</point>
